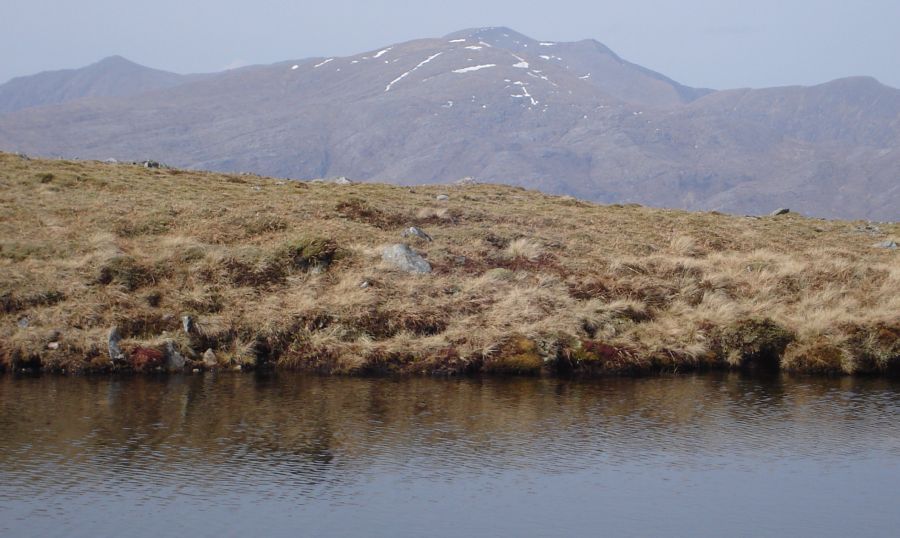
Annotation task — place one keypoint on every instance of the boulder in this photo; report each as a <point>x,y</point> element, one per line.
<point>412,231</point>
<point>402,257</point>
<point>781,211</point>
<point>115,352</point>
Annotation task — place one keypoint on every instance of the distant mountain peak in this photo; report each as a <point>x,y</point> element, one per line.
<point>116,59</point>
<point>113,76</point>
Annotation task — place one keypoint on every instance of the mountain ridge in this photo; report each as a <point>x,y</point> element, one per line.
<point>567,118</point>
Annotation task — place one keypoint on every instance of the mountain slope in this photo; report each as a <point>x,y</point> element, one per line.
<point>111,77</point>
<point>498,106</point>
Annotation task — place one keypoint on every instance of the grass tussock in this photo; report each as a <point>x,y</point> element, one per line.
<point>290,276</point>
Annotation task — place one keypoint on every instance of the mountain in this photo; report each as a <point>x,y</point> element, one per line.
<point>111,77</point>
<point>567,118</point>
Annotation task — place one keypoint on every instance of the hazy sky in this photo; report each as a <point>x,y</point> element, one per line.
<point>712,43</point>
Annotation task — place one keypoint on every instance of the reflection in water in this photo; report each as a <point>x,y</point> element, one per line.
<point>296,455</point>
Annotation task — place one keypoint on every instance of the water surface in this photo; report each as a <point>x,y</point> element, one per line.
<point>292,455</point>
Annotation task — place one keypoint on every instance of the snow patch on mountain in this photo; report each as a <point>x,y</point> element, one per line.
<point>474,68</point>
<point>404,75</point>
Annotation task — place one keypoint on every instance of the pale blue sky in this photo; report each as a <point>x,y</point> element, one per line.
<point>713,43</point>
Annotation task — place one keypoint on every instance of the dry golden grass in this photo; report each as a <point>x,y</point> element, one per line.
<point>289,274</point>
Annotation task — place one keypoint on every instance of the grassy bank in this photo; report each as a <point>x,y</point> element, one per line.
<point>290,275</point>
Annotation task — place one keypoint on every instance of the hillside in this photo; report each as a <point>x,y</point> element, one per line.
<point>565,118</point>
<point>110,77</point>
<point>205,270</point>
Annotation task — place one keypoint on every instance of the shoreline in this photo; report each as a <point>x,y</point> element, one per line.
<point>113,266</point>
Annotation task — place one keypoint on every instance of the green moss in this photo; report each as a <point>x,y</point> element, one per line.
<point>307,252</point>
<point>818,357</point>
<point>755,343</point>
<point>519,355</point>
<point>127,272</point>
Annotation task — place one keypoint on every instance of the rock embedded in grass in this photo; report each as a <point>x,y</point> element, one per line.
<point>209,358</point>
<point>891,245</point>
<point>174,359</point>
<point>115,351</point>
<point>780,211</point>
<point>404,258</point>
<point>412,231</point>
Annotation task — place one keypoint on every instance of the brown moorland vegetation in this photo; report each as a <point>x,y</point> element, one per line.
<point>290,275</point>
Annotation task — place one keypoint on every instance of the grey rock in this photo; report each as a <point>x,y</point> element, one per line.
<point>468,180</point>
<point>364,284</point>
<point>892,245</point>
<point>209,359</point>
<point>150,164</point>
<point>187,323</point>
<point>402,257</point>
<point>23,323</point>
<point>111,161</point>
<point>341,181</point>
<point>53,345</point>
<point>459,260</point>
<point>781,211</point>
<point>174,359</point>
<point>441,197</point>
<point>412,231</point>
<point>115,352</point>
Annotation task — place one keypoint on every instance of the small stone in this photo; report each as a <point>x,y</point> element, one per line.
<point>402,257</point>
<point>364,284</point>
<point>341,181</point>
<point>209,358</point>
<point>412,231</point>
<point>23,323</point>
<point>891,245</point>
<point>196,370</point>
<point>459,260</point>
<point>111,161</point>
<point>441,197</point>
<point>468,180</point>
<point>53,345</point>
<point>238,368</point>
<point>781,211</point>
<point>187,323</point>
